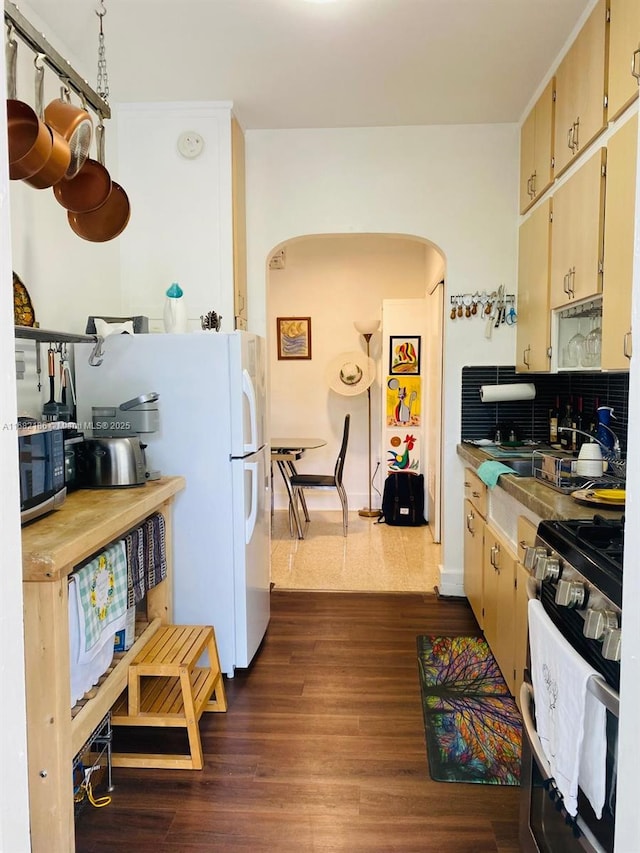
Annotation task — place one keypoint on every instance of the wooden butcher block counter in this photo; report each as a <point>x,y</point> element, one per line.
<point>52,547</point>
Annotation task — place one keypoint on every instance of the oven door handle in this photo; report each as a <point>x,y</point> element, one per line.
<point>526,697</point>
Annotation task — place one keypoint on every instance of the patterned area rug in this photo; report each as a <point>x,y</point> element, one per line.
<point>473,726</point>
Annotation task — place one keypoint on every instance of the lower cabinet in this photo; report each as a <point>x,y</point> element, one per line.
<point>499,570</point>
<point>474,525</point>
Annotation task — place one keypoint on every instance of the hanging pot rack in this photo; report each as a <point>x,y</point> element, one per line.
<point>65,72</point>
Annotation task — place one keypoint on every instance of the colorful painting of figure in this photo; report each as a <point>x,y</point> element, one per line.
<point>404,355</point>
<point>403,452</point>
<point>403,401</point>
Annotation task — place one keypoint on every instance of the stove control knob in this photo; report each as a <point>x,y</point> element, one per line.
<point>547,568</point>
<point>571,594</point>
<point>597,622</point>
<point>611,644</point>
<point>531,555</point>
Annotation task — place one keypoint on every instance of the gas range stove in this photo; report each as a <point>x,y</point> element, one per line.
<point>578,567</point>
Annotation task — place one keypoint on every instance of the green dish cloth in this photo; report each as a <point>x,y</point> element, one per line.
<point>490,471</point>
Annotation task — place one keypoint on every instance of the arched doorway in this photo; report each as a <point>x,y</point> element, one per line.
<point>337,279</point>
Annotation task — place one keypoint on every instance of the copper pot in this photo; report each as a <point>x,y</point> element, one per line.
<point>29,139</point>
<point>73,124</point>
<point>60,157</point>
<point>90,188</point>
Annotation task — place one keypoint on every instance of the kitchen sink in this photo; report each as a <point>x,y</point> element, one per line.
<point>522,466</point>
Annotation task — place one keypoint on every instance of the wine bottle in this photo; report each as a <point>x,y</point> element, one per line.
<point>566,424</point>
<point>594,418</point>
<point>578,423</point>
<point>554,418</point>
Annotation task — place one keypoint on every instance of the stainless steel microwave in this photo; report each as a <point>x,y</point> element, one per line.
<point>41,467</point>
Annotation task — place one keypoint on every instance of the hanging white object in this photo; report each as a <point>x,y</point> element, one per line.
<point>175,310</point>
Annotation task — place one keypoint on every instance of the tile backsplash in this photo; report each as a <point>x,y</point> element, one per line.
<point>531,417</point>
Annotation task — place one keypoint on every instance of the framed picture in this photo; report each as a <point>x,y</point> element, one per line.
<point>404,355</point>
<point>403,401</point>
<point>293,337</point>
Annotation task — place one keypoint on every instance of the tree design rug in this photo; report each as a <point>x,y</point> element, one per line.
<point>472,724</point>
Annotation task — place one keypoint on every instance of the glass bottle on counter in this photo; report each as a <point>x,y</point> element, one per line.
<point>594,418</point>
<point>554,419</point>
<point>578,424</point>
<point>566,423</point>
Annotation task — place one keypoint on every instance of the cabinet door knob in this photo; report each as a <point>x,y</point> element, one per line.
<point>533,184</point>
<point>576,135</point>
<point>628,348</point>
<point>570,137</point>
<point>525,358</point>
<point>635,64</point>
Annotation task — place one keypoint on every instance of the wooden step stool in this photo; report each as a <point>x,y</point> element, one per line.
<point>166,688</point>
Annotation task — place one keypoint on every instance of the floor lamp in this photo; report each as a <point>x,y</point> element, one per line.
<point>366,329</point>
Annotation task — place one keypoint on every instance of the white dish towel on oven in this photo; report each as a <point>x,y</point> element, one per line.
<point>570,721</point>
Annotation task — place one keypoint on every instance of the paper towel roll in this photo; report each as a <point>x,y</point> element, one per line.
<point>503,393</point>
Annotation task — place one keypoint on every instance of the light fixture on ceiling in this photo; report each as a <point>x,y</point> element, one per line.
<point>367,328</point>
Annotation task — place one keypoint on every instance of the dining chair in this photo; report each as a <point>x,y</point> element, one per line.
<point>299,482</point>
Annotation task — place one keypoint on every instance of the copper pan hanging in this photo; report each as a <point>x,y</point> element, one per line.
<point>60,157</point>
<point>107,221</point>
<point>74,124</point>
<point>90,188</point>
<point>29,140</point>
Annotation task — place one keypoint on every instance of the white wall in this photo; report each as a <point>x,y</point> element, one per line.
<point>14,816</point>
<point>454,186</point>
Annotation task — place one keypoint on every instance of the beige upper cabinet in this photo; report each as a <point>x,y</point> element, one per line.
<point>580,89</point>
<point>536,149</point>
<point>534,261</point>
<point>239,226</point>
<point>624,54</point>
<point>619,220</point>
<point>577,234</point>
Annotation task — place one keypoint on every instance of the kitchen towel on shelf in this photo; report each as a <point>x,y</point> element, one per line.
<point>134,544</point>
<point>490,471</point>
<point>84,675</point>
<point>102,599</point>
<point>570,721</point>
<point>155,551</point>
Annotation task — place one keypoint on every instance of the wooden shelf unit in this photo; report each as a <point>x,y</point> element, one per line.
<point>51,548</point>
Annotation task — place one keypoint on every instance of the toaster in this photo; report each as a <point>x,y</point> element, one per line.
<point>115,461</point>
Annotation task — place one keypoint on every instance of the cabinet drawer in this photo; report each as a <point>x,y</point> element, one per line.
<point>526,535</point>
<point>475,491</point>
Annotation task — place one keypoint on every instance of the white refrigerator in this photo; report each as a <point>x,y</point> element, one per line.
<point>212,431</point>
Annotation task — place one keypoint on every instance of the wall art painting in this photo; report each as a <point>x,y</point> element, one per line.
<point>293,335</point>
<point>404,355</point>
<point>403,401</point>
<point>403,451</point>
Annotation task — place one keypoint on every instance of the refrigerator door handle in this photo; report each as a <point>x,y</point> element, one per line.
<point>250,523</point>
<point>249,392</point>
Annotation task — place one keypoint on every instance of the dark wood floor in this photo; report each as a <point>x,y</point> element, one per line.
<point>322,748</point>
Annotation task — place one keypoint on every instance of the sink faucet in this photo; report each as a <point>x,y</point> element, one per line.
<point>616,444</point>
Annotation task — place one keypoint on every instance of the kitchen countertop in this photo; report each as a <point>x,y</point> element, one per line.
<point>542,500</point>
<point>87,520</point>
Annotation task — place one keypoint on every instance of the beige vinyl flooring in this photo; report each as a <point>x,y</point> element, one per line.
<point>371,558</point>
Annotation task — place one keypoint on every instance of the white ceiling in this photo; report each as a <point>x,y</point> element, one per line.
<point>295,63</point>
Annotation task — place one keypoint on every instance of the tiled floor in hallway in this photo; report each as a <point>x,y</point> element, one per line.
<point>371,558</point>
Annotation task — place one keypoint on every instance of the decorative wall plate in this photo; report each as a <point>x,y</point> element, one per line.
<point>23,313</point>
